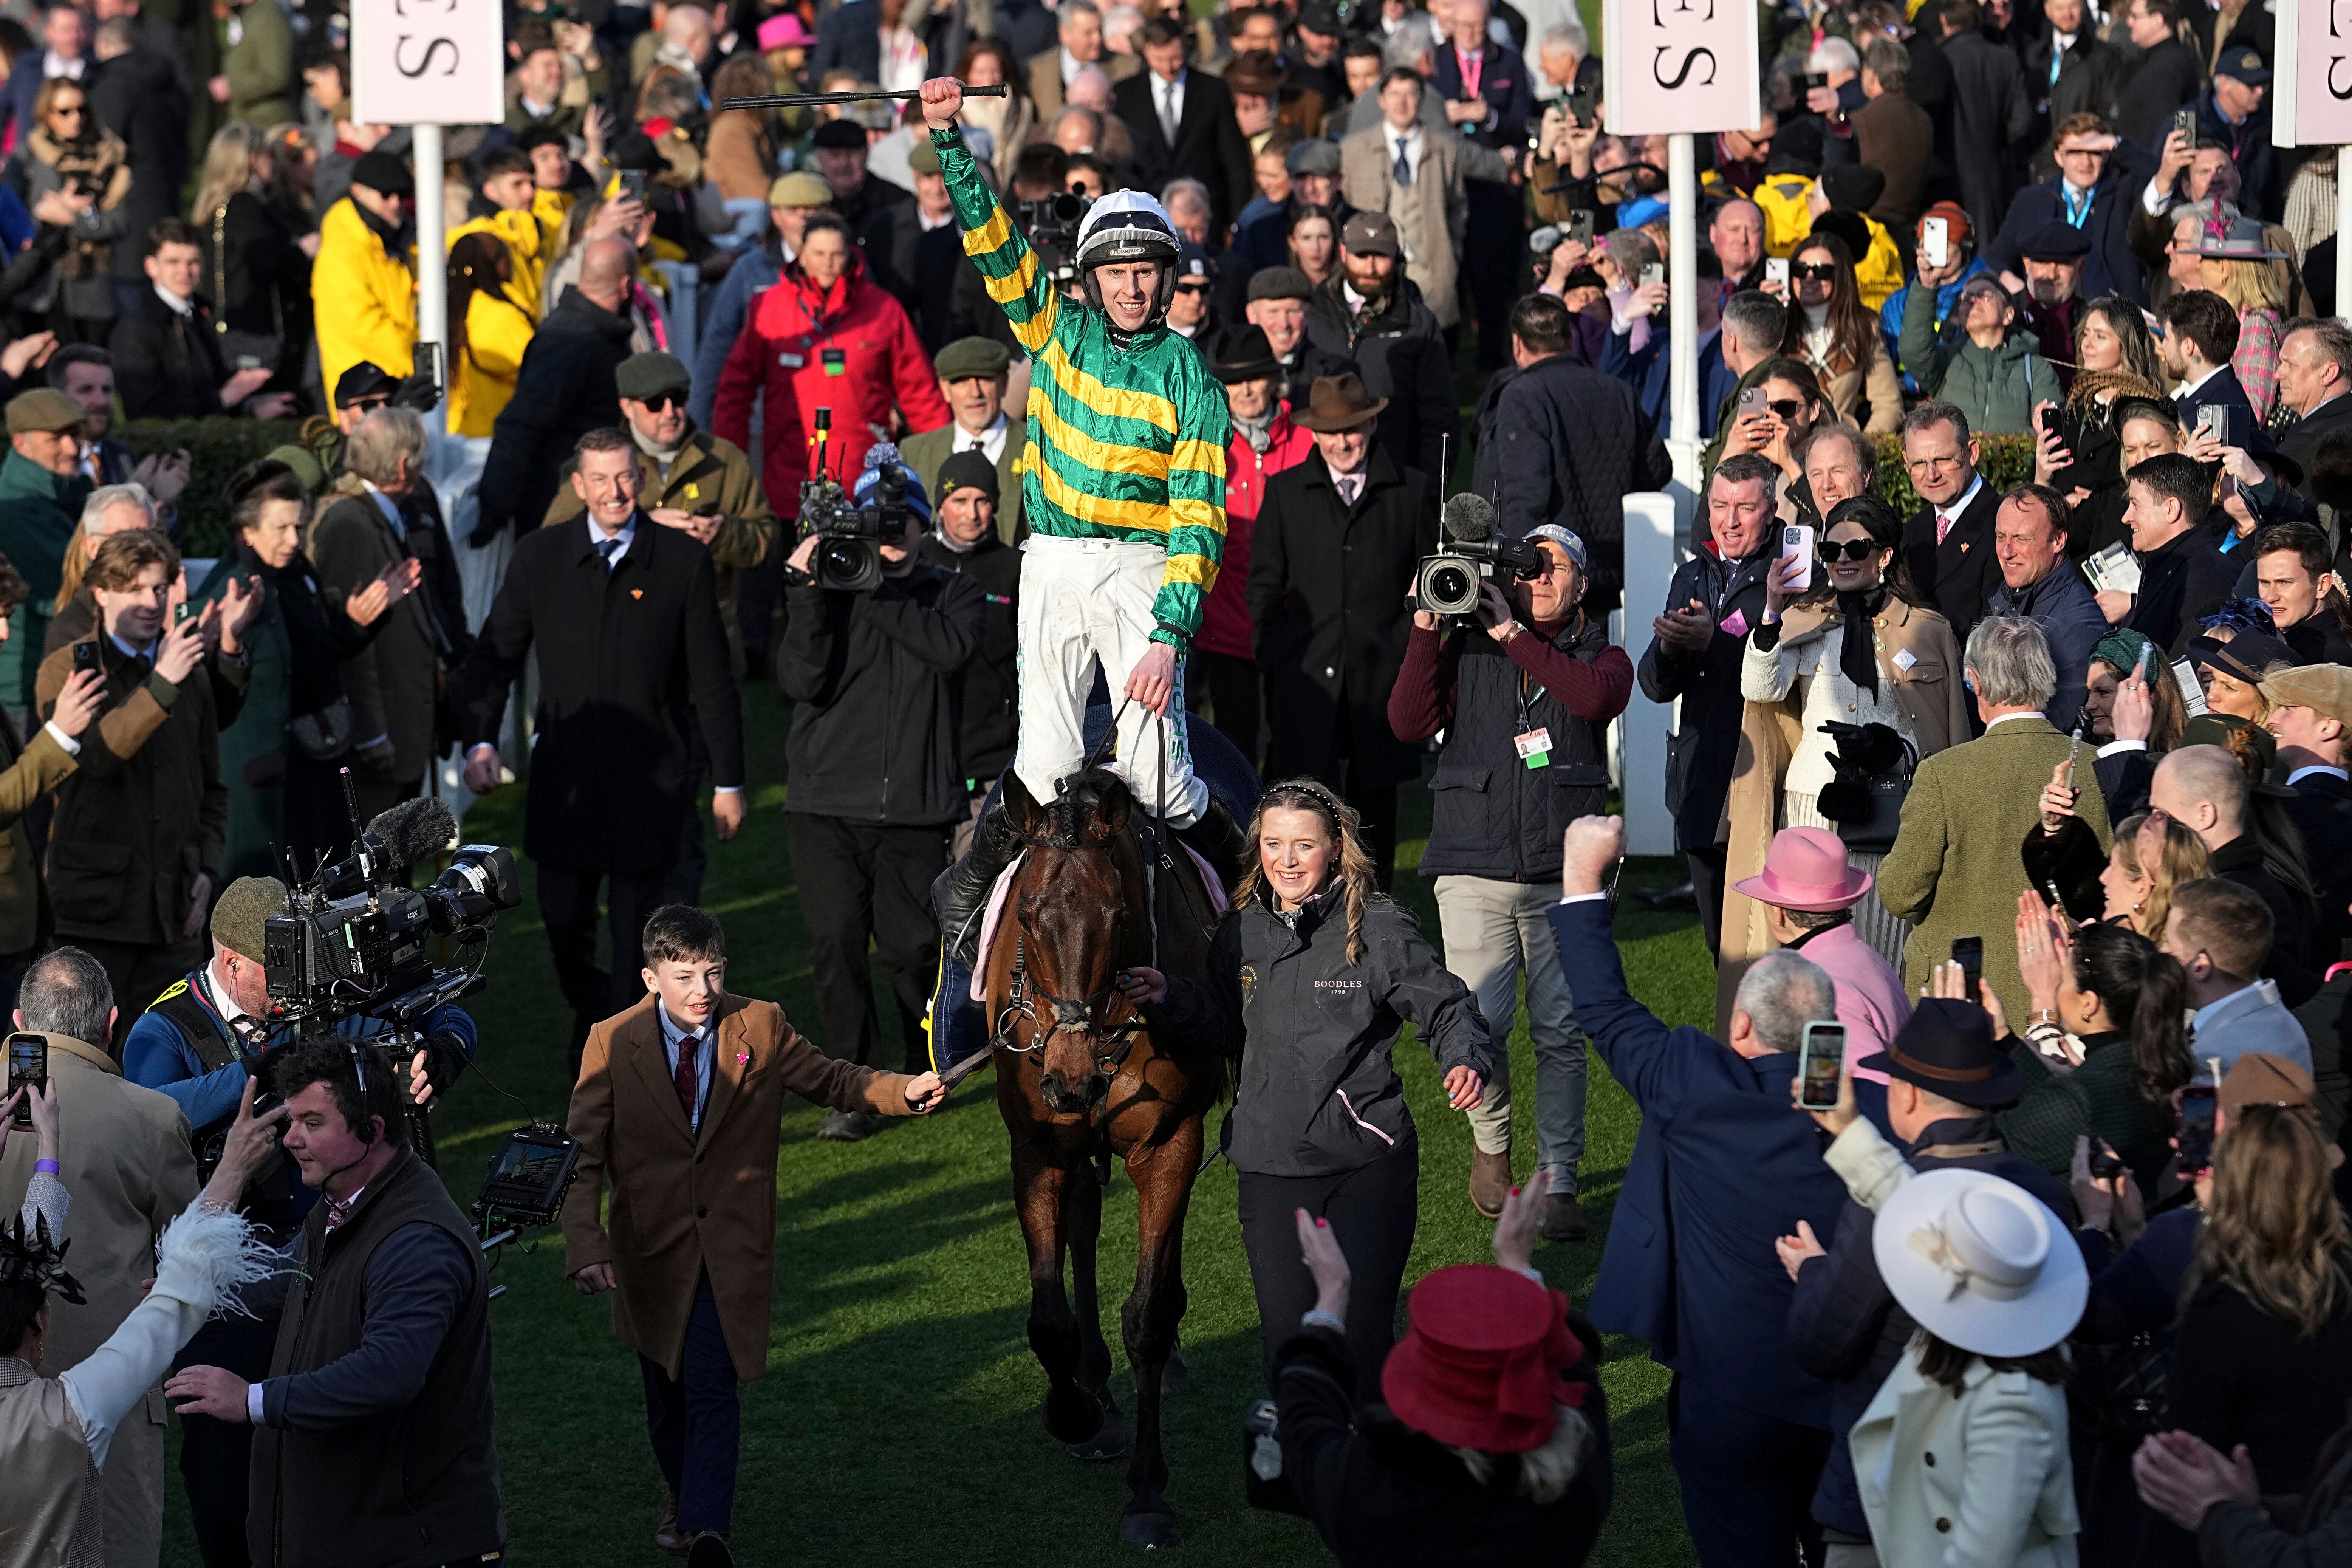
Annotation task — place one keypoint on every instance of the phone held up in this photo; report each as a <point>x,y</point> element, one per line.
<point>1776,270</point>
<point>1968,951</point>
<point>85,656</point>
<point>1820,1055</point>
<point>2194,1133</point>
<point>1797,544</point>
<point>1936,240</point>
<point>28,1069</point>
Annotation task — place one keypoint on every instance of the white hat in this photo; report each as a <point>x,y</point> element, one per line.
<point>1126,226</point>
<point>1979,1263</point>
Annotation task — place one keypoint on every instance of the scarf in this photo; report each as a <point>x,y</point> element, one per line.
<point>1856,656</point>
<point>825,306</point>
<point>1258,433</point>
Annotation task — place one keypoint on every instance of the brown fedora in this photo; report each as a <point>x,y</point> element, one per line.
<point>1337,403</point>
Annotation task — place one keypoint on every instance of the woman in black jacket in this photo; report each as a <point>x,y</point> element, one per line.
<point>1311,979</point>
<point>256,269</point>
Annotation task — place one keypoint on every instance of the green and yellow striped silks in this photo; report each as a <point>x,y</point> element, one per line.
<point>1124,442</point>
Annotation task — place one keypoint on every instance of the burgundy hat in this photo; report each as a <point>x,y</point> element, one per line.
<point>1806,868</point>
<point>1487,1357</point>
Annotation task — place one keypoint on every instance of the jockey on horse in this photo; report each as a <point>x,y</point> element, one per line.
<point>1123,491</point>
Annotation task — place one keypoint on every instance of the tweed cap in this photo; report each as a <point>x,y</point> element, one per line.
<point>641,377</point>
<point>1280,283</point>
<point>43,410</point>
<point>798,189</point>
<point>237,918</point>
<point>968,357</point>
<point>2325,688</point>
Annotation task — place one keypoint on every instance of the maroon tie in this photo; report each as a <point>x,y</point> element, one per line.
<point>688,1081</point>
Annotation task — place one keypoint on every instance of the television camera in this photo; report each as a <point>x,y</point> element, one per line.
<point>356,940</point>
<point>850,532</point>
<point>1446,584</point>
<point>1051,225</point>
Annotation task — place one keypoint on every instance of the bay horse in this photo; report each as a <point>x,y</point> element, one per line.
<point>1079,1080</point>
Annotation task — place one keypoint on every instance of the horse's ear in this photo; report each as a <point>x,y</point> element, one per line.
<point>1113,803</point>
<point>1020,806</point>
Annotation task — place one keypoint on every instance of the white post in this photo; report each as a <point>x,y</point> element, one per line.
<point>1682,294</point>
<point>432,241</point>
<point>1650,555</point>
<point>2343,233</point>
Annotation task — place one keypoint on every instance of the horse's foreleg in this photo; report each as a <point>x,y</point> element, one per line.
<point>1163,1186</point>
<point>1082,1224</point>
<point>1038,1184</point>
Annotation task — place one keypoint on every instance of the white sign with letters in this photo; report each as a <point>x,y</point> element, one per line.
<point>2311,87</point>
<point>1682,65</point>
<point>427,62</point>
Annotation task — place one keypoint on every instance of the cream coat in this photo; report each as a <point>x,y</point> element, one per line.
<point>1982,1480</point>
<point>1430,213</point>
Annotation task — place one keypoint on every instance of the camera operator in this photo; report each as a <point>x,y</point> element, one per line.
<point>381,1376</point>
<point>1525,703</point>
<point>632,658</point>
<point>966,541</point>
<point>189,1045</point>
<point>873,782</point>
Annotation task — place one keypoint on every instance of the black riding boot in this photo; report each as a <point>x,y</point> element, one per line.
<point>963,893</point>
<point>1217,839</point>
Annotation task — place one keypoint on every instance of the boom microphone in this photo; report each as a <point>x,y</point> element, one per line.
<point>1469,516</point>
<point>415,830</point>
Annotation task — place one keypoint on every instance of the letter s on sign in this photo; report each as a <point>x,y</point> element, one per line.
<point>400,51</point>
<point>1658,71</point>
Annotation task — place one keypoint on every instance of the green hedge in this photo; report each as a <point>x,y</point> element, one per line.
<point>2004,460</point>
<point>216,448</point>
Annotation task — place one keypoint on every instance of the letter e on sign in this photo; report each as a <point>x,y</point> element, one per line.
<point>1682,65</point>
<point>427,62</point>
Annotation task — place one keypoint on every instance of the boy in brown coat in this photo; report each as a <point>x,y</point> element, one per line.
<point>679,1105</point>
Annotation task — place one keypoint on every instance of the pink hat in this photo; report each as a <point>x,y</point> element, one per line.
<point>785,32</point>
<point>1806,870</point>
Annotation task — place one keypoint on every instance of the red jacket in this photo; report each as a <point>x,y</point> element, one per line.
<point>852,351</point>
<point>1225,620</point>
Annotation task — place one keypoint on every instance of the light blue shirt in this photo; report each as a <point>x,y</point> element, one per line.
<point>706,1057</point>
<point>391,510</point>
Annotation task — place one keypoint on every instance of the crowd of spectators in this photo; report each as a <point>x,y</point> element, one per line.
<point>2090,691</point>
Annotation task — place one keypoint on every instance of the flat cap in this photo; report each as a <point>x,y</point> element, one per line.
<point>968,357</point>
<point>2056,240</point>
<point>379,171</point>
<point>841,135</point>
<point>646,376</point>
<point>237,918</point>
<point>1282,282</point>
<point>798,189</point>
<point>1853,187</point>
<point>967,470</point>
<point>1321,16</point>
<point>1370,234</point>
<point>923,158</point>
<point>2325,688</point>
<point>1315,156</point>
<point>44,409</point>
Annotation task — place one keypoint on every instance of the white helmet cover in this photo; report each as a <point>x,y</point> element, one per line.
<point>1126,226</point>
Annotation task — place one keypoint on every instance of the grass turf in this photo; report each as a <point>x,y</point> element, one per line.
<point>899,1423</point>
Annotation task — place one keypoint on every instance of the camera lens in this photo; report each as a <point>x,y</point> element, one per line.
<point>1448,587</point>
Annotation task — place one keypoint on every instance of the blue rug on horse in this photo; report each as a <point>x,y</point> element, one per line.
<point>957,1025</point>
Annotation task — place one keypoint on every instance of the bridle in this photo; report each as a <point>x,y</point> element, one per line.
<point>1114,1039</point>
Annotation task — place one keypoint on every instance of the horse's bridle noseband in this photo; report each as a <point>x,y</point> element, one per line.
<point>1079,1016</point>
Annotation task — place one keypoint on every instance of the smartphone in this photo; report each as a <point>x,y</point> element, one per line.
<point>426,361</point>
<point>2184,123</point>
<point>632,185</point>
<point>85,656</point>
<point>1968,951</point>
<point>2105,1163</point>
<point>1655,272</point>
<point>2194,1131</point>
<point>1811,80</point>
<point>1751,401</point>
<point>1776,270</point>
<point>1797,544</point>
<point>1936,240</point>
<point>2050,420</point>
<point>181,611</point>
<point>1580,107</point>
<point>1819,1057</point>
<point>1579,227</point>
<point>29,1068</point>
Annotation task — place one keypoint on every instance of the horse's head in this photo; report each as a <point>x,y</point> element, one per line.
<point>1071,899</point>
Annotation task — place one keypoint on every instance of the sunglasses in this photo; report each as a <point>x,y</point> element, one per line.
<point>1816,272</point>
<point>369,405</point>
<point>663,401</point>
<point>1786,408</point>
<point>1832,550</point>
<point>1192,288</point>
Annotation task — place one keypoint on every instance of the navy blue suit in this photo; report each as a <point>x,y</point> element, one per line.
<point>2111,268</point>
<point>1495,239</point>
<point>1722,1167</point>
<point>2223,390</point>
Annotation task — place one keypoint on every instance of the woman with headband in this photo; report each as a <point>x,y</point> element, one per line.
<point>1311,978</point>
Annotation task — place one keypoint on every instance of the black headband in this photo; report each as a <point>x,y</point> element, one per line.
<point>1313,790</point>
